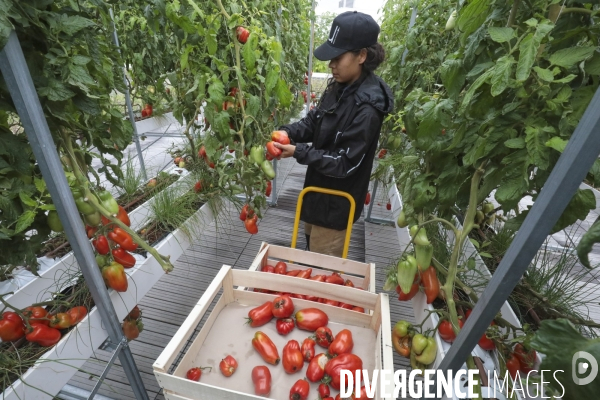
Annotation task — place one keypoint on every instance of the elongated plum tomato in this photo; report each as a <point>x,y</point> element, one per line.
<point>310,319</point>
<point>260,315</point>
<point>261,377</point>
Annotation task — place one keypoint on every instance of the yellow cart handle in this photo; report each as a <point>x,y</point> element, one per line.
<point>326,191</point>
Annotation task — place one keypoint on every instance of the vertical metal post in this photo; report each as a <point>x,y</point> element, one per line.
<point>310,56</point>
<point>273,200</point>
<point>20,85</point>
<point>136,138</point>
<point>570,170</point>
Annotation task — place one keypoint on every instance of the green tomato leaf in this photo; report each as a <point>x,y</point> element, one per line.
<point>453,76</point>
<point>527,51</point>
<point>272,79</point>
<point>544,74</point>
<point>24,221</point>
<point>557,144</point>
<point>211,42</point>
<point>578,209</point>
<point>25,199</point>
<point>511,191</point>
<point>516,143</point>
<point>568,57</point>
<point>283,93</point>
<point>216,90</point>
<point>253,106</point>
<point>471,17</point>
<point>501,35</point>
<point>249,57</point>
<point>501,74</point>
<point>591,237</point>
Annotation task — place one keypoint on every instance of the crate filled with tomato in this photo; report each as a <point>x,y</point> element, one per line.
<point>315,267</point>
<point>272,345</point>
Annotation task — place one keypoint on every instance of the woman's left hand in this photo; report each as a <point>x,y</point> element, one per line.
<point>286,149</point>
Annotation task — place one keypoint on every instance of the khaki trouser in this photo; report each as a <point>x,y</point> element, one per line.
<point>324,240</point>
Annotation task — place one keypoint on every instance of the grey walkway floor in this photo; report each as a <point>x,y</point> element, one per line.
<point>168,303</point>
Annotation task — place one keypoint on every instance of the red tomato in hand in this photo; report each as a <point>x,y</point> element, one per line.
<point>280,137</point>
<point>513,365</point>
<point>324,336</point>
<point>261,377</point>
<point>526,358</point>
<point>300,390</point>
<point>283,307</point>
<point>342,343</point>
<point>281,268</point>
<point>310,319</point>
<point>308,349</point>
<point>228,365</point>
<point>284,325</point>
<point>242,34</point>
<point>292,357</point>
<point>260,315</point>
<point>272,150</point>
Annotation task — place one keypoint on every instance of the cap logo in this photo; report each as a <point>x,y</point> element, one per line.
<point>334,36</point>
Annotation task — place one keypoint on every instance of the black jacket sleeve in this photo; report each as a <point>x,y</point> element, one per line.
<point>351,146</point>
<point>302,131</point>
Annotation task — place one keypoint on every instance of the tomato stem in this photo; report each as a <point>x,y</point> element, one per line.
<point>15,310</point>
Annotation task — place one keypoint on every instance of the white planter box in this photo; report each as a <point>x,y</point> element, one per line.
<point>56,367</point>
<point>151,124</point>
<point>54,274</point>
<point>420,306</point>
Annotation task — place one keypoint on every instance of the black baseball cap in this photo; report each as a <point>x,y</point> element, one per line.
<point>351,30</point>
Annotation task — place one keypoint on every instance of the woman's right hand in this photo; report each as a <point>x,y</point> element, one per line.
<point>287,150</point>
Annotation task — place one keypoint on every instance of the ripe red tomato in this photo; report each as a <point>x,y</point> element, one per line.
<point>342,343</point>
<point>228,365</point>
<point>335,278</point>
<point>446,332</point>
<point>323,390</point>
<point>430,283</point>
<point>414,289</point>
<point>347,361</point>
<point>115,277</point>
<point>77,314</point>
<point>324,336</point>
<point>268,268</point>
<point>284,325</point>
<point>305,273</point>
<point>388,206</point>
<point>486,343</point>
<point>261,377</point>
<point>135,313</point>
<point>260,315</point>
<point>121,215</point>
<point>526,358</point>
<point>194,374</point>
<point>246,210</point>
<point>513,365</point>
<point>300,390</point>
<point>43,335</point>
<point>250,224</point>
<point>368,198</point>
<point>310,319</point>
<point>283,307</point>
<point>37,314</point>
<point>126,259</point>
<point>281,268</point>
<point>11,327</point>
<point>272,150</point>
<point>198,187</point>
<point>382,153</point>
<point>293,360</point>
<point>316,367</point>
<point>269,189</point>
<point>131,329</point>
<point>242,34</point>
<point>330,302</point>
<point>308,349</point>
<point>101,245</point>
<point>265,347</point>
<point>280,137</point>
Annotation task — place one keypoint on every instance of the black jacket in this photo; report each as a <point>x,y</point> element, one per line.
<point>344,131</point>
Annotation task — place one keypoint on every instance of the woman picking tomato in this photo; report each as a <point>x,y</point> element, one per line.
<point>343,129</point>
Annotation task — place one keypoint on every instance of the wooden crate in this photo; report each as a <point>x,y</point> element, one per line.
<point>361,274</point>
<point>224,332</point>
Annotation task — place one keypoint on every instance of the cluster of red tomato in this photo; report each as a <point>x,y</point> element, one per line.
<point>147,111</point>
<point>447,333</point>
<point>335,278</point>
<point>248,215</point>
<point>44,328</point>
<point>132,324</point>
<point>112,245</point>
<point>388,206</point>
<point>521,360</point>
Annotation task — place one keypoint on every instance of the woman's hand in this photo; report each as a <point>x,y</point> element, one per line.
<point>287,150</point>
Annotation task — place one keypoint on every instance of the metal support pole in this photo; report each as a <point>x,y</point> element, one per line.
<point>570,170</point>
<point>122,344</point>
<point>136,138</point>
<point>20,85</point>
<point>310,56</point>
